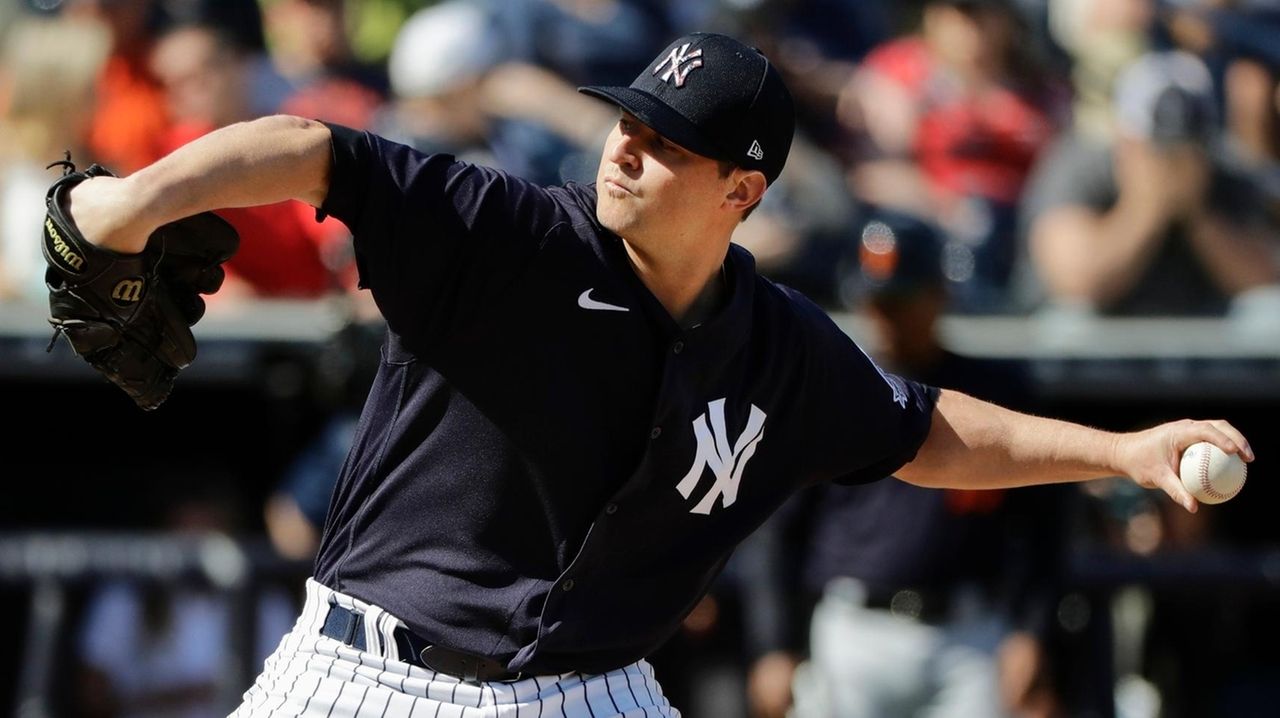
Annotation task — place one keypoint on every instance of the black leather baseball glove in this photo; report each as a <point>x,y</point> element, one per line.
<point>130,315</point>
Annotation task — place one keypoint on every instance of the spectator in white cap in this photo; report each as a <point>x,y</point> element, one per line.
<point>435,69</point>
<point>458,91</point>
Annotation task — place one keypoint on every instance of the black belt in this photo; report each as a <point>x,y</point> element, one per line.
<point>348,626</point>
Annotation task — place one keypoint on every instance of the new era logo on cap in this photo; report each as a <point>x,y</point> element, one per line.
<point>716,97</point>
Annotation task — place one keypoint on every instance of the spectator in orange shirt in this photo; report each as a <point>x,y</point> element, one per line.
<point>130,115</point>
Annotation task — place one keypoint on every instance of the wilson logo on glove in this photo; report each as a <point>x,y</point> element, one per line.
<point>128,291</point>
<point>69,260</point>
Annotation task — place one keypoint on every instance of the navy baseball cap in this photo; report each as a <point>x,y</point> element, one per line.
<point>1166,97</point>
<point>715,96</point>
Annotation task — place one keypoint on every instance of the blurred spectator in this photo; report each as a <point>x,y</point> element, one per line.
<point>440,60</point>
<point>599,42</point>
<point>47,75</point>
<point>310,47</point>
<point>816,44</point>
<point>498,81</point>
<point>952,120</point>
<point>1238,40</point>
<point>802,227</point>
<point>9,13</point>
<point>207,74</point>
<point>551,47</point>
<point>130,118</point>
<point>932,602</point>
<point>156,651</point>
<point>1152,220</point>
<point>240,40</point>
<point>205,77</point>
<point>1100,37</point>
<point>240,24</point>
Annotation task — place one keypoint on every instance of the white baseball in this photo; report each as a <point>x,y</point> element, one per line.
<point>1211,475</point>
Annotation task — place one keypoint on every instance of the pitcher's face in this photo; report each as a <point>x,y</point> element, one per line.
<point>648,186</point>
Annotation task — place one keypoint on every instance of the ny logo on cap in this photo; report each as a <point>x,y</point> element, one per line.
<point>682,63</point>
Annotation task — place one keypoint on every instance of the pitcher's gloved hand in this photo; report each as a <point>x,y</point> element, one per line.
<point>130,315</point>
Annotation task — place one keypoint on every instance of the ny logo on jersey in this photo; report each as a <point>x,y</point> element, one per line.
<point>714,453</point>
<point>681,62</point>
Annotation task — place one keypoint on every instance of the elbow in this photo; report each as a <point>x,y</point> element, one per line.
<point>957,452</point>
<point>921,476</point>
<point>308,143</point>
<point>287,123</point>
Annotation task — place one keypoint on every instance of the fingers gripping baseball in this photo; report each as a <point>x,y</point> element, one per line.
<point>1152,458</point>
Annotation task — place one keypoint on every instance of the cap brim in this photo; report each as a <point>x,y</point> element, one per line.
<point>658,116</point>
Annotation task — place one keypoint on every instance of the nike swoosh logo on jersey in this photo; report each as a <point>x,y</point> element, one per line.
<point>586,302</point>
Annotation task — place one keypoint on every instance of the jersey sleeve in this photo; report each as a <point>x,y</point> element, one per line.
<point>863,423</point>
<point>435,239</point>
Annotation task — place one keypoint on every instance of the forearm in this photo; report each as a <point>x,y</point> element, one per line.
<point>522,91</point>
<point>1095,257</point>
<point>252,163</point>
<point>1237,258</point>
<point>977,445</point>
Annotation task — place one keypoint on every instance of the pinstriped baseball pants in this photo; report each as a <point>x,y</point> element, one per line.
<point>314,675</point>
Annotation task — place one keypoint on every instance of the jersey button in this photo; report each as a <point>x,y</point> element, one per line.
<point>677,347</point>
<point>611,509</point>
<point>567,585</point>
<point>657,431</point>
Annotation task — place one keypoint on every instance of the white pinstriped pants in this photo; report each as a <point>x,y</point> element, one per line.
<point>314,675</point>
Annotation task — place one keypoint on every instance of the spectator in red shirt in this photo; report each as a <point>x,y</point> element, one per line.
<point>950,122</point>
<point>283,251</point>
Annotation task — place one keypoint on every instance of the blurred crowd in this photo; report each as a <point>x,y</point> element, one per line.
<point>1118,157</point>
<point>1108,157</point>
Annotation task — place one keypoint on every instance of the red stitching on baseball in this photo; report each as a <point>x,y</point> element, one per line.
<point>1204,480</point>
<point>1204,476</point>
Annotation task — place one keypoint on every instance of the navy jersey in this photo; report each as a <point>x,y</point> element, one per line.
<point>549,470</point>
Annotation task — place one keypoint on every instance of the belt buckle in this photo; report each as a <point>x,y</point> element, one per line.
<point>463,665</point>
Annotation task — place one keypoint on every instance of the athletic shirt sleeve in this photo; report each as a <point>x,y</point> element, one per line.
<point>864,423</point>
<point>436,240</point>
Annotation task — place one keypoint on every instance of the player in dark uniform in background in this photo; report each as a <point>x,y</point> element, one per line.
<point>932,602</point>
<point>587,398</point>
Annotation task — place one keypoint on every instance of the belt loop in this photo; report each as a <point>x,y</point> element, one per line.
<point>372,636</point>
<point>387,625</point>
